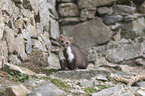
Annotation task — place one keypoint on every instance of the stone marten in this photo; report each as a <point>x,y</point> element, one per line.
<point>71,56</point>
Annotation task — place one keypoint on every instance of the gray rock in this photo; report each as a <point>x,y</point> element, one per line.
<point>80,73</point>
<point>119,51</point>
<point>18,1</point>
<point>68,9</point>
<point>53,62</point>
<point>33,31</point>
<point>23,70</point>
<point>27,37</point>
<point>89,33</point>
<point>103,10</point>
<point>101,77</point>
<point>88,13</point>
<point>46,40</point>
<point>142,7</point>
<point>20,47</point>
<point>87,83</point>
<point>1,26</point>
<point>141,84</point>
<point>47,89</point>
<point>140,61</point>
<point>65,1</point>
<point>39,45</point>
<point>123,9</point>
<point>3,52</point>
<point>140,93</point>
<point>54,29</point>
<point>26,12</point>
<point>14,59</point>
<point>94,3</point>
<point>10,8</point>
<point>17,90</point>
<point>112,19</point>
<point>44,14</point>
<point>71,20</point>
<point>109,91</point>
<point>10,39</point>
<point>133,29</point>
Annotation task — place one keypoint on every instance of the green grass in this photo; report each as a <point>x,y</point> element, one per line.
<point>59,83</point>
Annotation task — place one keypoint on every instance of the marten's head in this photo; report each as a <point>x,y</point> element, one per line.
<point>65,41</point>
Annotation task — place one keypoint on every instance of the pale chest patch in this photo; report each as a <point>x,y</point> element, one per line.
<point>61,56</point>
<point>70,54</point>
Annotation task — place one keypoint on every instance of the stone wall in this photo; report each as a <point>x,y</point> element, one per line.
<point>94,23</point>
<point>26,25</point>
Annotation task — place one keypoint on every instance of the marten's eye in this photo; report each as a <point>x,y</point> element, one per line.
<point>67,43</point>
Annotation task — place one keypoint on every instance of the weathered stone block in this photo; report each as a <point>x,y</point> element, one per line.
<point>68,9</point>
<point>94,3</point>
<point>89,33</point>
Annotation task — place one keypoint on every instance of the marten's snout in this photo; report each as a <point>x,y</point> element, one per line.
<point>64,44</point>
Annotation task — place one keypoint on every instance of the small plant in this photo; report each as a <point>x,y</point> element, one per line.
<point>16,76</point>
<point>90,90</point>
<point>59,83</point>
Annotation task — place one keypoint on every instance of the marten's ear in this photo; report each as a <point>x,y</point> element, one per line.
<point>70,39</point>
<point>61,36</point>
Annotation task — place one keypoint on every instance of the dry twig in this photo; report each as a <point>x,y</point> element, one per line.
<point>131,81</point>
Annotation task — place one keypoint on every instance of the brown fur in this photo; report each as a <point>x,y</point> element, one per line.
<point>80,59</point>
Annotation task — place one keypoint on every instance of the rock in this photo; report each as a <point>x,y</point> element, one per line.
<point>109,91</point>
<point>18,24</point>
<point>115,27</point>
<point>69,20</point>
<point>141,84</point>
<point>121,52</point>
<point>10,39</point>
<point>140,61</point>
<point>54,29</point>
<point>33,31</point>
<point>112,19</point>
<point>123,9</point>
<point>47,89</point>
<point>88,13</point>
<point>140,93</point>
<point>93,3</point>
<point>18,1</point>
<point>22,70</point>
<point>101,77</point>
<point>3,52</point>
<point>14,59</point>
<point>53,62</point>
<point>103,10</point>
<point>1,25</point>
<point>44,14</point>
<point>26,13</point>
<point>10,8</point>
<point>20,47</point>
<point>133,29</point>
<point>89,33</point>
<point>142,8</point>
<point>87,84</point>
<point>101,61</point>
<point>80,73</point>
<point>62,1</point>
<point>46,40</point>
<point>27,40</point>
<point>17,90</point>
<point>68,9</point>
<point>117,36</point>
<point>40,46</point>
